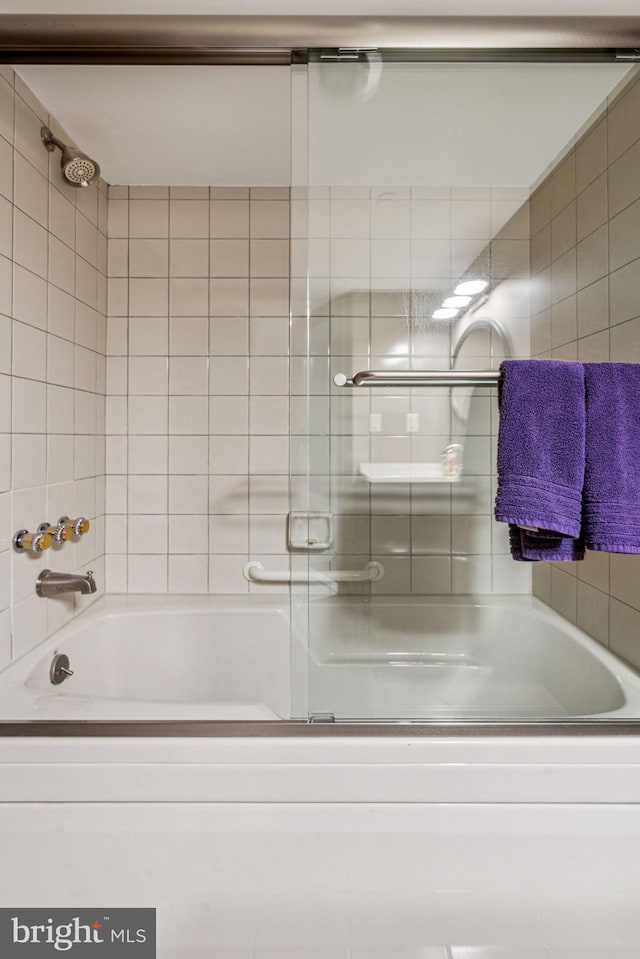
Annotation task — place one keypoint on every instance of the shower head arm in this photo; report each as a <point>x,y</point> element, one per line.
<point>50,140</point>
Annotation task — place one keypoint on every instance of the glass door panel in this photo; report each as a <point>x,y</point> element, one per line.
<point>427,234</point>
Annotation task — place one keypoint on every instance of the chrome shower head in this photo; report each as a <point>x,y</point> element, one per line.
<point>77,168</point>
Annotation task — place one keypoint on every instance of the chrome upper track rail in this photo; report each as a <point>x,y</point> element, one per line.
<point>399,378</point>
<point>144,38</point>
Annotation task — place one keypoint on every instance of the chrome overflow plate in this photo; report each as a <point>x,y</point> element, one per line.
<point>60,669</point>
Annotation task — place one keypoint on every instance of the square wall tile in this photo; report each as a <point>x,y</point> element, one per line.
<point>147,335</point>
<point>269,454</point>
<point>189,336</point>
<point>229,258</point>
<point>189,494</point>
<point>225,574</point>
<point>147,494</point>
<point>269,415</point>
<point>229,534</point>
<point>148,414</point>
<point>230,494</point>
<point>188,375</point>
<point>188,534</point>
<point>269,375</point>
<point>229,336</point>
<point>269,219</point>
<point>147,534</point>
<point>147,574</point>
<point>269,336</point>
<point>147,454</point>
<point>189,219</point>
<point>188,574</point>
<point>188,414</point>
<point>148,219</point>
<point>148,258</point>
<point>228,415</point>
<point>229,219</point>
<point>229,455</point>
<point>188,258</point>
<point>148,375</point>
<point>188,454</point>
<point>229,375</point>
<point>269,297</point>
<point>229,297</point>
<point>148,297</point>
<point>188,296</point>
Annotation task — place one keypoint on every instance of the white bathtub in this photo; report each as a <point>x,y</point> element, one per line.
<point>229,658</point>
<point>304,846</point>
<point>460,657</point>
<point>160,657</point>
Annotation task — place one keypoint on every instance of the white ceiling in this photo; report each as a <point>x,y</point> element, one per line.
<point>445,124</point>
<point>477,124</point>
<point>192,126</point>
<point>578,8</point>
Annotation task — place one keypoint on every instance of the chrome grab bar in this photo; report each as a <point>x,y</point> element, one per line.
<point>371,573</point>
<point>419,378</point>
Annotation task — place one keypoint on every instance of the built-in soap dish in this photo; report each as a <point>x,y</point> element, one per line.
<point>309,532</point>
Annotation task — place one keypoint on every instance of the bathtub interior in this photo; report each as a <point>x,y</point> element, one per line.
<point>457,658</point>
<point>360,659</point>
<point>161,658</point>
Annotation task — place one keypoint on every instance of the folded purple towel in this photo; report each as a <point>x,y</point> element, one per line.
<point>526,545</point>
<point>611,499</point>
<point>541,457</point>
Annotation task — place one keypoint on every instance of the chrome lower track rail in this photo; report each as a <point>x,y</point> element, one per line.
<point>302,729</point>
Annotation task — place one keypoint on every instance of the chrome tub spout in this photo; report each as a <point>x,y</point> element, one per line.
<point>50,583</point>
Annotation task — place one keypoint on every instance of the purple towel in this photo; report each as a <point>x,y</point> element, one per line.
<point>526,545</point>
<point>611,510</point>
<point>541,457</point>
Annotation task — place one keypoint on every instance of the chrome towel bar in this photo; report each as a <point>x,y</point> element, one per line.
<point>256,573</point>
<point>419,378</point>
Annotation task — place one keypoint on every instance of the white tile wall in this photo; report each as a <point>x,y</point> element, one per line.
<point>205,392</point>
<point>381,260</point>
<point>592,313</point>
<point>198,344</point>
<point>53,260</point>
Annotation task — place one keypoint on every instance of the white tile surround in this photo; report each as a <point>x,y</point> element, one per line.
<point>53,294</point>
<point>198,386</point>
<point>208,379</point>
<point>381,260</point>
<point>585,265</point>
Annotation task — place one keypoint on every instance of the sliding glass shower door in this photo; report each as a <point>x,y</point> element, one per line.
<point>418,188</point>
